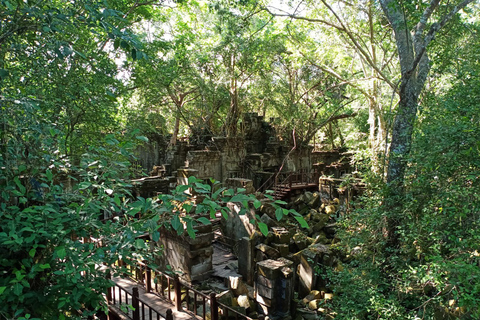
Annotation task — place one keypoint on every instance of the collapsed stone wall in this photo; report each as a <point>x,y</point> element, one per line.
<point>192,258</point>
<point>255,154</point>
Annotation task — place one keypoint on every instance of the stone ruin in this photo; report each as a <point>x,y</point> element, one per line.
<point>280,275</point>
<point>254,157</point>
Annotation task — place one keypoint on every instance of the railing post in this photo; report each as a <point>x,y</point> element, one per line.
<point>178,293</point>
<point>213,306</point>
<point>148,284</point>
<point>169,315</point>
<point>109,289</point>
<point>135,304</point>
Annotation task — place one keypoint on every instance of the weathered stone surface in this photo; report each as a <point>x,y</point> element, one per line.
<point>268,221</point>
<point>270,252</point>
<point>183,174</point>
<point>225,297</point>
<point>281,235</point>
<point>265,301</point>
<point>314,294</point>
<point>237,286</point>
<point>328,296</point>
<point>201,268</point>
<point>208,163</point>
<point>321,222</point>
<point>314,304</point>
<point>191,257</point>
<point>268,209</point>
<point>236,183</point>
<point>314,202</point>
<point>300,240</point>
<point>330,209</point>
<point>236,226</point>
<point>307,314</point>
<point>264,281</point>
<point>283,249</point>
<point>265,291</point>
<point>310,258</point>
<point>243,301</point>
<point>246,259</point>
<point>275,287</point>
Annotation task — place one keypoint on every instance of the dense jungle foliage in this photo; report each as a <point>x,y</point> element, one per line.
<point>82,83</point>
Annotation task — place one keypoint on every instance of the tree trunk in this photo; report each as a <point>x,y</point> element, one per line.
<point>176,129</point>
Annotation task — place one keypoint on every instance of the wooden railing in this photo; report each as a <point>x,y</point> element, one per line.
<point>172,288</point>
<point>122,299</point>
<point>301,177</point>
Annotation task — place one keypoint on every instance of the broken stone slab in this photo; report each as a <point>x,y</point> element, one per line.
<point>321,238</point>
<point>318,226</point>
<point>246,259</point>
<point>330,209</point>
<point>307,314</point>
<point>237,286</point>
<point>314,202</point>
<point>314,294</point>
<point>225,297</point>
<point>315,304</point>
<point>280,235</point>
<point>309,260</point>
<point>301,241</point>
<point>236,183</point>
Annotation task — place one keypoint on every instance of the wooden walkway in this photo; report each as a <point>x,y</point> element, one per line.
<point>151,305</point>
<point>282,191</point>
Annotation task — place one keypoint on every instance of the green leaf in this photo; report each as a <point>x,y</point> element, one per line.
<point>192,180</point>
<point>116,43</point>
<point>281,202</point>
<point>111,96</point>
<point>217,193</point>
<point>2,289</point>
<point>190,230</point>
<point>49,175</point>
<point>155,236</point>
<point>302,221</point>
<point>32,252</point>
<point>176,224</point>
<point>140,243</point>
<point>44,266</point>
<point>224,213</point>
<point>116,199</point>
<point>61,252</point>
<point>279,214</point>
<point>229,192</point>
<point>257,204</point>
<point>182,188</point>
<point>83,185</point>
<point>204,220</point>
<point>263,228</point>
<point>19,185</point>
<point>17,289</point>
<point>142,138</point>
<point>239,198</point>
<point>80,54</point>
